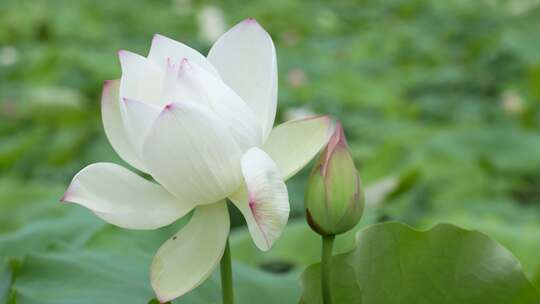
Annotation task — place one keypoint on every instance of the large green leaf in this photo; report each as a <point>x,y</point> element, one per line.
<point>90,277</point>
<point>515,227</point>
<point>393,263</point>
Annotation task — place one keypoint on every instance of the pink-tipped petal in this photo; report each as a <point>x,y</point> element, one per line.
<point>164,47</point>
<point>123,198</point>
<point>188,258</point>
<point>263,200</point>
<point>245,58</point>
<point>65,197</point>
<point>294,143</point>
<point>168,107</point>
<point>250,21</point>
<point>184,63</point>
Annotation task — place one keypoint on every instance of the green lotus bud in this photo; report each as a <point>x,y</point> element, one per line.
<point>334,201</point>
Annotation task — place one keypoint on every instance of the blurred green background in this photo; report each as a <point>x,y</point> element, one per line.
<point>440,101</point>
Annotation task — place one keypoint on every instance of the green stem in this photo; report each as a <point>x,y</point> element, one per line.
<point>226,276</point>
<point>327,245</point>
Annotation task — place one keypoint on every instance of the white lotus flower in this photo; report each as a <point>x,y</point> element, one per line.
<point>202,128</point>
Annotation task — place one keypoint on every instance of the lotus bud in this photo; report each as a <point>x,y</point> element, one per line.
<point>334,201</point>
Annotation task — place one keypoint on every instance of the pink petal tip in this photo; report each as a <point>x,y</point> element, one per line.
<point>105,92</point>
<point>64,198</point>
<point>185,64</point>
<point>157,37</point>
<point>168,107</point>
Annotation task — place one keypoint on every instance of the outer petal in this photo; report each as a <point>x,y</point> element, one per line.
<point>294,143</point>
<point>188,258</point>
<point>138,118</point>
<point>123,198</point>
<point>165,49</point>
<point>245,58</point>
<point>190,151</point>
<point>194,83</point>
<point>264,201</point>
<point>141,79</point>
<point>114,126</point>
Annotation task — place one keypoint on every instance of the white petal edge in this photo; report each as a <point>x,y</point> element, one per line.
<point>165,49</point>
<point>141,79</point>
<point>190,151</point>
<point>294,143</point>
<point>264,200</point>
<point>138,118</point>
<point>123,198</point>
<point>245,58</point>
<point>196,84</point>
<point>188,258</point>
<point>114,125</point>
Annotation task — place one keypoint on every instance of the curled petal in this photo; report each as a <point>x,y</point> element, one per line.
<point>164,50</point>
<point>263,201</point>
<point>184,261</point>
<point>123,198</point>
<point>114,125</point>
<point>190,151</point>
<point>294,143</point>
<point>245,58</point>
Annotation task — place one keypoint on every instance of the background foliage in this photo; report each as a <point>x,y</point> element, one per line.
<point>440,100</point>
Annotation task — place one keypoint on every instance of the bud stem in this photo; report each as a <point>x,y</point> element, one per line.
<point>326,267</point>
<point>226,276</point>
